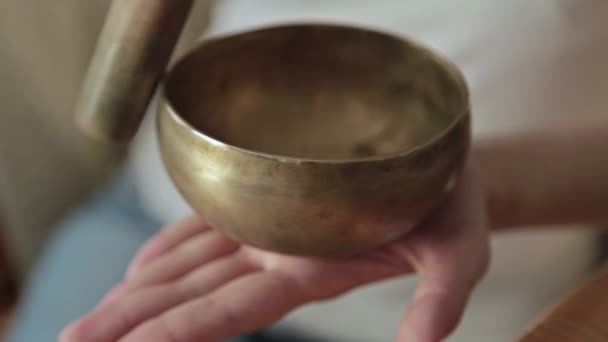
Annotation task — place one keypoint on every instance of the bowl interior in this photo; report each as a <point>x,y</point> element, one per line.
<point>317,92</point>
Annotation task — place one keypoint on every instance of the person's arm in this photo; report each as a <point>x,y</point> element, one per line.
<point>554,174</point>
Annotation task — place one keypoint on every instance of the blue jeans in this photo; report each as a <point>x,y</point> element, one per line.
<point>85,257</point>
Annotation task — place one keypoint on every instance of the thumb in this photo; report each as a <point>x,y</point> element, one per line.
<point>436,308</point>
<point>450,256</point>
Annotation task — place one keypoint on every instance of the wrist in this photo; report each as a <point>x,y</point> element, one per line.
<point>545,174</point>
<point>503,199</point>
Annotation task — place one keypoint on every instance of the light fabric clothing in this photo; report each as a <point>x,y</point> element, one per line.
<point>526,62</point>
<point>45,162</point>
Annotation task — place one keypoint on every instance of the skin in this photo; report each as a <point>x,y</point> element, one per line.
<point>190,283</point>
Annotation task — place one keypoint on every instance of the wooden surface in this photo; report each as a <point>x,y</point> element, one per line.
<point>8,285</point>
<point>581,316</point>
<point>4,322</point>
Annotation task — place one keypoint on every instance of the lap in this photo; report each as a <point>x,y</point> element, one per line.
<point>85,257</point>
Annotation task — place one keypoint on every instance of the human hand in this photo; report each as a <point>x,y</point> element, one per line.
<point>191,283</point>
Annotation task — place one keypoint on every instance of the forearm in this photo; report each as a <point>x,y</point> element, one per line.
<point>555,174</point>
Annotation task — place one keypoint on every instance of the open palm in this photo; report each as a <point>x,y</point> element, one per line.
<point>191,283</point>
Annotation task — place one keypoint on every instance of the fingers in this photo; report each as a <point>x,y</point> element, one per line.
<point>244,305</point>
<point>116,318</point>
<point>182,259</point>
<point>166,240</point>
<point>175,263</point>
<point>450,260</point>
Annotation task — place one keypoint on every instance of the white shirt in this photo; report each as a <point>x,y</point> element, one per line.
<point>525,62</point>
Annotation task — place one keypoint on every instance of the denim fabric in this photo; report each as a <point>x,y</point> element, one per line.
<point>85,257</point>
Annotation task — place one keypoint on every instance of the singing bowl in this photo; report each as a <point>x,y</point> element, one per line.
<point>314,139</point>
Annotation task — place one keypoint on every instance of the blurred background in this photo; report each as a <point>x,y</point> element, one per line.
<point>47,167</point>
<point>45,164</point>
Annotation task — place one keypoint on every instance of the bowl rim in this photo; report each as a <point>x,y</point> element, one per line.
<point>447,64</point>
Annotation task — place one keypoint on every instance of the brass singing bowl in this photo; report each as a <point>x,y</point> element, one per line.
<point>314,139</point>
